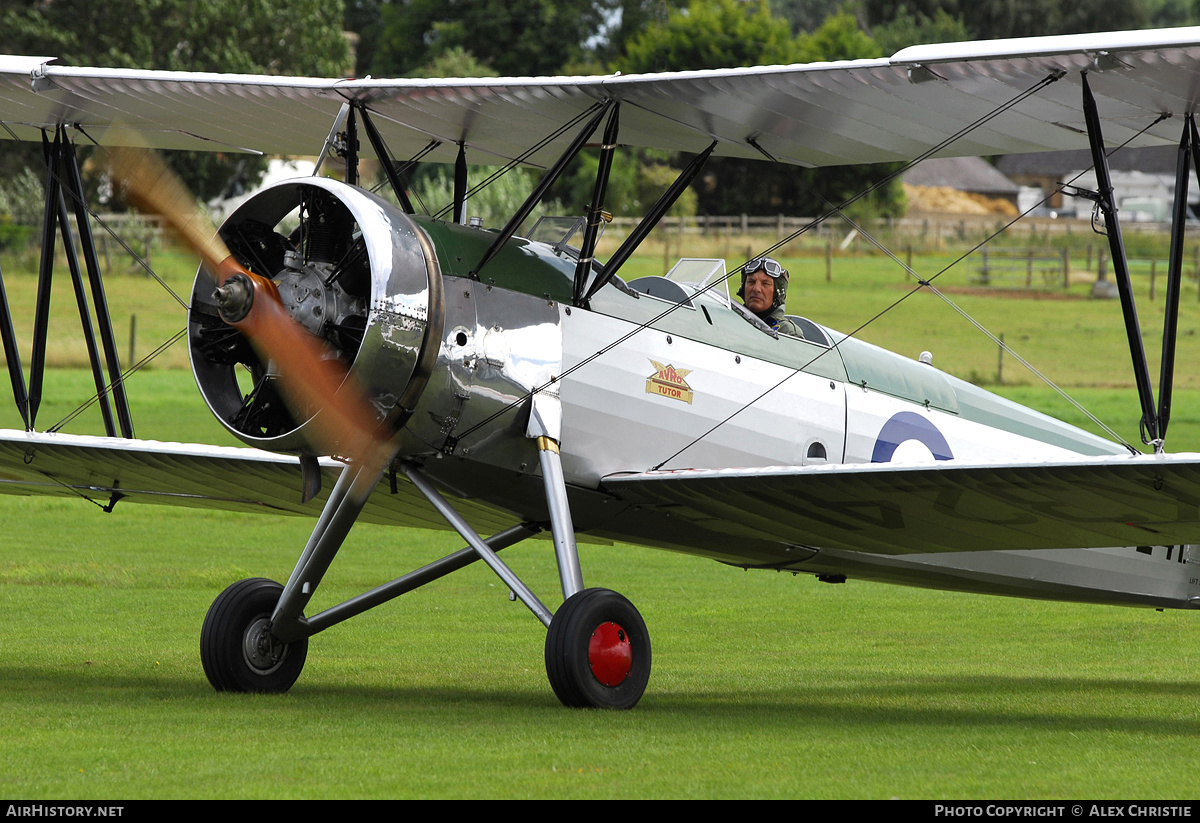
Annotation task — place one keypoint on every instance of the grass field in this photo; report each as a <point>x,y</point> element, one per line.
<point>764,685</point>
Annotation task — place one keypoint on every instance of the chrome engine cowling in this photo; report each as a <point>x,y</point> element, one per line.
<point>352,269</point>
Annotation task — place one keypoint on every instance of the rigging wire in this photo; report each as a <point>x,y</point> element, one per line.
<point>987,332</point>
<point>139,259</point>
<point>838,210</point>
<point>403,168</point>
<point>928,283</point>
<point>95,398</point>
<point>1020,97</point>
<point>511,164</point>
<point>95,216</point>
<point>125,375</point>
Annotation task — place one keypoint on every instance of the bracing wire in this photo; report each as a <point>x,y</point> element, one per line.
<point>928,283</point>
<point>141,261</point>
<point>1021,96</point>
<point>125,375</point>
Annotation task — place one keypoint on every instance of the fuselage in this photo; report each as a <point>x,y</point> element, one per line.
<point>659,373</point>
<point>648,381</point>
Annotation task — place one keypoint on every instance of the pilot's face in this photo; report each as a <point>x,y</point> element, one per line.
<point>760,292</point>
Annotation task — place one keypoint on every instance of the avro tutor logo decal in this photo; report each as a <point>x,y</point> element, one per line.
<point>668,382</point>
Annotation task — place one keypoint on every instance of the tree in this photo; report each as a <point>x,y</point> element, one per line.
<point>1168,13</point>
<point>299,37</point>
<point>711,34</point>
<point>806,15</point>
<point>909,30</point>
<point>513,37</point>
<point>259,36</point>
<point>455,62</point>
<point>623,21</point>
<point>838,38</point>
<point>992,19</point>
<point>724,34</point>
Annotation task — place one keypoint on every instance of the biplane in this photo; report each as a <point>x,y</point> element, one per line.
<point>395,367</point>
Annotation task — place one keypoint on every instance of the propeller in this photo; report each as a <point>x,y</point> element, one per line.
<point>347,424</point>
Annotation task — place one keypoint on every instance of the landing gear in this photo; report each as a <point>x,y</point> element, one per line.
<point>236,647</point>
<point>598,651</point>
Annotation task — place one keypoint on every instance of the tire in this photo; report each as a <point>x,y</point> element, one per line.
<point>598,651</point>
<point>236,648</point>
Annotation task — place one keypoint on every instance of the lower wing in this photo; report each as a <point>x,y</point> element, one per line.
<point>108,470</point>
<point>1087,502</point>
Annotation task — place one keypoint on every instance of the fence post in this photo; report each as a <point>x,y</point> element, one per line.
<point>1000,361</point>
<point>1195,265</point>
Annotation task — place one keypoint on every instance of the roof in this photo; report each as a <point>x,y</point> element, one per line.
<point>973,174</point>
<point>1151,160</point>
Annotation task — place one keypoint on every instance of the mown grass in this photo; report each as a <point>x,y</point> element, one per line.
<point>764,685</point>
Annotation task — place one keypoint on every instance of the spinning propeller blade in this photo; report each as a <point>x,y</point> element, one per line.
<point>347,424</point>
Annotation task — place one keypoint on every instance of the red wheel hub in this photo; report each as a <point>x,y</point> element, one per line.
<point>609,654</point>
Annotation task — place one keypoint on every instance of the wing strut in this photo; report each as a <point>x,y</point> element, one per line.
<point>460,184</point>
<point>13,357</point>
<point>63,182</point>
<point>1107,205</point>
<point>350,147</point>
<point>1153,422</point>
<point>656,213</point>
<point>385,158</point>
<point>592,232</point>
<point>1189,154</point>
<point>551,175</point>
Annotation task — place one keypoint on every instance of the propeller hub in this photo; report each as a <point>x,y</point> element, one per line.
<point>235,298</point>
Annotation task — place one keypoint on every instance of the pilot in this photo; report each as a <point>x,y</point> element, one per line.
<point>764,289</point>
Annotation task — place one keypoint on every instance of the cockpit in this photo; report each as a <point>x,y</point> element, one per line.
<point>695,279</point>
<point>697,286</point>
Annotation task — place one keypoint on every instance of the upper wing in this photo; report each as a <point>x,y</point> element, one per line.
<point>110,469</point>
<point>862,111</point>
<point>1088,502</point>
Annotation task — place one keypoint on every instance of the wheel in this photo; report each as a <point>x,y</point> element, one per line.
<point>598,651</point>
<point>236,647</point>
